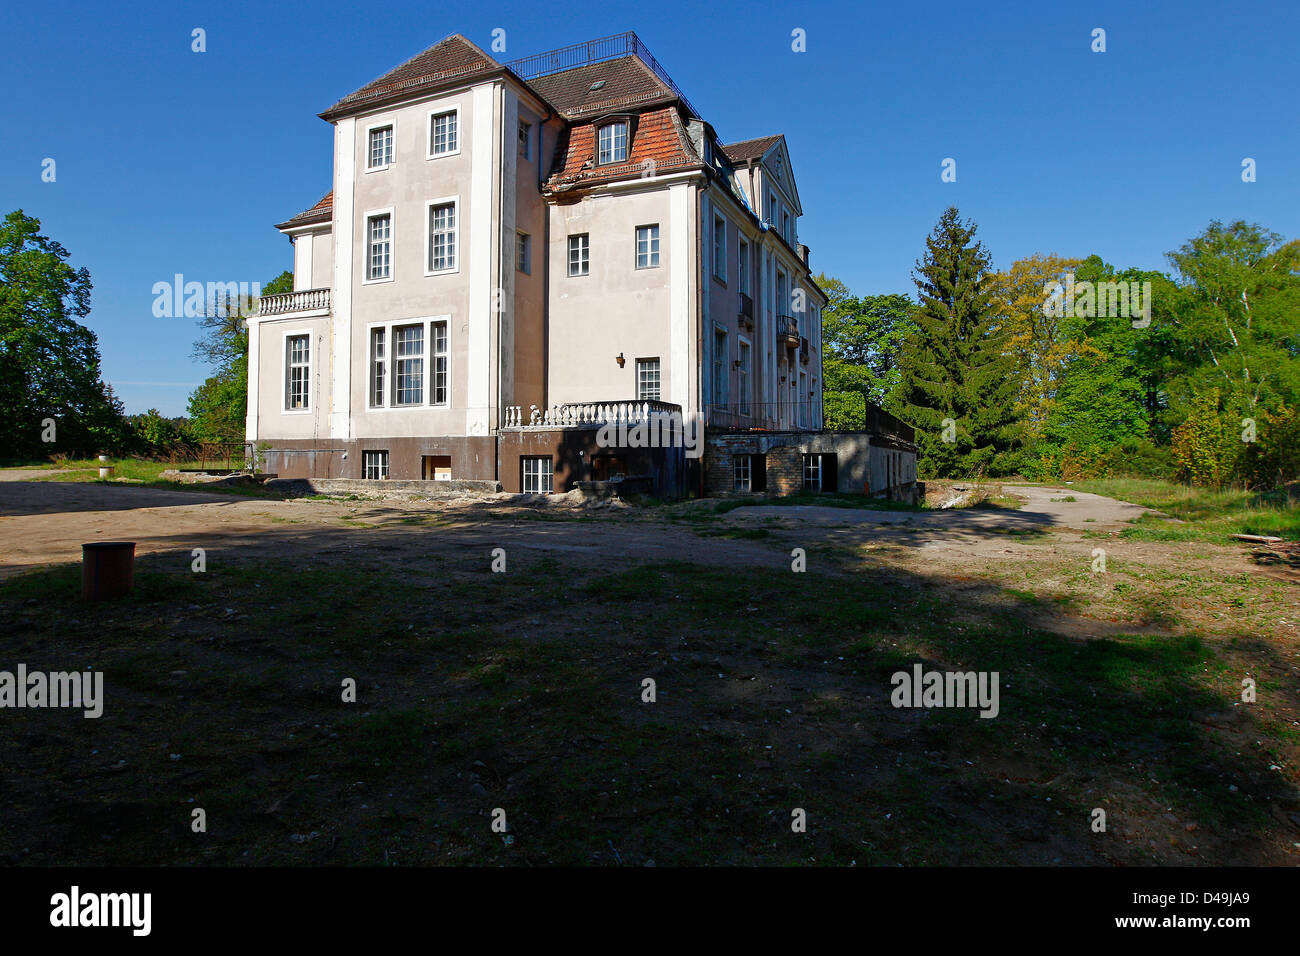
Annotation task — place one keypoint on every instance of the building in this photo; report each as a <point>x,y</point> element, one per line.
<point>515,254</point>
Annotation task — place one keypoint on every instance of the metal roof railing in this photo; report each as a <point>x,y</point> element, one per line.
<point>595,51</point>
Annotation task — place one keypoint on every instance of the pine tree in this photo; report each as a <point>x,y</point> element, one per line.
<point>955,364</point>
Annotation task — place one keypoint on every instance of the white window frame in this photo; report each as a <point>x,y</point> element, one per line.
<point>742,473</point>
<point>543,478</point>
<point>429,204</point>
<point>366,218</point>
<point>391,126</point>
<point>652,246</point>
<point>383,459</point>
<point>627,143</point>
<point>285,336</point>
<point>584,261</point>
<point>428,132</point>
<point>524,253</point>
<point>643,368</point>
<point>428,355</point>
<point>720,247</point>
<point>812,471</point>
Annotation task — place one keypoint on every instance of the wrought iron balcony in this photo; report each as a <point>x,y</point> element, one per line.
<point>305,300</point>
<point>787,330</point>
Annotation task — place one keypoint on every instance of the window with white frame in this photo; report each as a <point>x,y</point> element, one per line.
<point>442,237</point>
<point>408,367</point>
<point>580,255</point>
<point>647,380</point>
<point>525,139</point>
<point>438,332</point>
<point>741,475</point>
<point>719,367</point>
<point>720,248</point>
<point>374,465</point>
<point>379,246</point>
<point>647,247</point>
<point>380,153</point>
<point>742,379</point>
<point>523,253</point>
<point>812,472</point>
<point>539,475</point>
<point>297,372</point>
<point>742,266</point>
<point>443,133</point>
<point>377,366</point>
<point>611,146</point>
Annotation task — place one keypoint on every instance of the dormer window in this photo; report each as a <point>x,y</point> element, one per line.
<point>611,143</point>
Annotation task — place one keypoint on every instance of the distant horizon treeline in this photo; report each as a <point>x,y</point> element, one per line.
<point>1063,368</point>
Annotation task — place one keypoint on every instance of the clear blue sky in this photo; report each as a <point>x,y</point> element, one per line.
<point>171,161</point>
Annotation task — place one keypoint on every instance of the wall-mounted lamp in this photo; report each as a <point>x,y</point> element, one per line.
<point>620,360</point>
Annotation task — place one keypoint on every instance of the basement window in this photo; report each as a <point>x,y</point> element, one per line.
<point>538,475</point>
<point>374,465</point>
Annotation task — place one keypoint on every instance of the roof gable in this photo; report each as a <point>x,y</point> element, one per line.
<point>450,59</point>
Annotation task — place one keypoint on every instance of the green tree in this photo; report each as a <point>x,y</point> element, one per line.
<point>49,362</point>
<point>862,337</point>
<point>219,406</point>
<point>955,365</point>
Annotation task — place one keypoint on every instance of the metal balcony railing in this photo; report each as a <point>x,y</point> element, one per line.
<point>578,414</point>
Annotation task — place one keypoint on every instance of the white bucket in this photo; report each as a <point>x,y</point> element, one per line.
<point>106,471</point>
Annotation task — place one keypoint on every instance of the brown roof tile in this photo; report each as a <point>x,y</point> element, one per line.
<point>658,138</point>
<point>627,83</point>
<point>750,148</point>
<point>448,59</point>
<point>323,211</point>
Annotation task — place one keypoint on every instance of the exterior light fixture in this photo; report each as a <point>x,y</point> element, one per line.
<point>620,360</point>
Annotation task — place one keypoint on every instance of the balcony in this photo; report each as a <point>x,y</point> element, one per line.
<point>305,300</point>
<point>787,331</point>
<point>587,414</point>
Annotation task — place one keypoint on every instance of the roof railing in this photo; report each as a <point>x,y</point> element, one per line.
<point>595,51</point>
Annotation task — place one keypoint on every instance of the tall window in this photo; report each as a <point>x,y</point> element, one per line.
<point>785,226</point>
<point>720,248</point>
<point>812,472</point>
<point>377,367</point>
<point>408,370</point>
<point>579,255</point>
<point>379,247</point>
<point>771,209</point>
<point>742,379</point>
<point>297,372</point>
<point>611,146</point>
<point>782,295</point>
<point>741,476</point>
<point>439,385</point>
<point>381,147</point>
<point>442,237</point>
<point>742,266</point>
<point>647,246</point>
<point>539,475</point>
<point>374,465</point>
<point>803,399</point>
<point>523,253</point>
<point>647,380</point>
<point>719,367</point>
<point>525,139</point>
<point>443,135</point>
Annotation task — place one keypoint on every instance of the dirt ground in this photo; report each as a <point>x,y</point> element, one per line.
<point>769,704</point>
